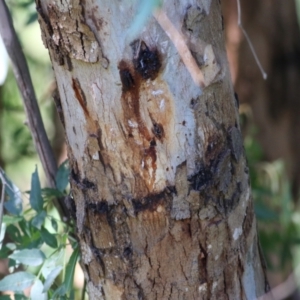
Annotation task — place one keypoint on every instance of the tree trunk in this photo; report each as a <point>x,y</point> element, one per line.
<point>159,180</point>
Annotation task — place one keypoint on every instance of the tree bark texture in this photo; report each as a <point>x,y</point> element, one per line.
<point>161,192</point>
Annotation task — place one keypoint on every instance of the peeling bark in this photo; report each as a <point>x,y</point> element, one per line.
<point>159,180</point>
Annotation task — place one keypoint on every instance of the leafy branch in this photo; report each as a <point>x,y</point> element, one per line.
<point>32,237</point>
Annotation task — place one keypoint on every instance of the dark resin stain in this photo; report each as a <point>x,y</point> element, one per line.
<point>147,63</point>
<point>100,207</point>
<point>126,79</point>
<point>202,179</point>
<point>149,159</point>
<point>158,130</point>
<point>151,202</point>
<point>144,65</point>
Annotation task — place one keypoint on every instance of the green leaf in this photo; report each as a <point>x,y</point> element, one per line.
<point>37,291</point>
<point>48,238</point>
<point>36,200</point>
<point>62,176</point>
<point>14,233</point>
<point>51,277</point>
<point>13,207</point>
<point>16,282</point>
<point>7,219</point>
<point>5,297</point>
<point>30,257</point>
<point>14,203</point>
<point>11,265</point>
<point>25,228</point>
<point>60,291</point>
<point>4,252</point>
<point>24,4</point>
<point>35,241</point>
<point>20,297</point>
<point>264,213</point>
<point>70,270</point>
<point>49,193</point>
<point>52,262</point>
<point>31,18</point>
<point>39,219</point>
<point>11,246</point>
<point>54,224</point>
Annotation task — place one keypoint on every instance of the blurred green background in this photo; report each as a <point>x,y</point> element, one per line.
<point>17,153</point>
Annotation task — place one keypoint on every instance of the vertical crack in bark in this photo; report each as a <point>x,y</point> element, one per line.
<point>249,220</point>
<point>240,276</point>
<point>203,265</point>
<point>57,101</point>
<point>267,287</point>
<point>225,285</point>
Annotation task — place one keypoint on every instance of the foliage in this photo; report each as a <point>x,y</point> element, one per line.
<point>28,6</point>
<point>38,241</point>
<point>16,145</point>
<point>278,221</point>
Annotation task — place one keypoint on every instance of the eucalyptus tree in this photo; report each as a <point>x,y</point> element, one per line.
<point>160,185</point>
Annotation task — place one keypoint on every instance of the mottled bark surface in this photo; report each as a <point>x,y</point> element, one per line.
<point>161,190</point>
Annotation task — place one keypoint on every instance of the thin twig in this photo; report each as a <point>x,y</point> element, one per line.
<point>281,291</point>
<point>240,24</point>
<point>33,114</point>
<point>178,40</point>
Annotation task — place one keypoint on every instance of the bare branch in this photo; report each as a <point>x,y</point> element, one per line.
<point>283,290</point>
<point>33,114</point>
<point>183,50</point>
<point>264,74</point>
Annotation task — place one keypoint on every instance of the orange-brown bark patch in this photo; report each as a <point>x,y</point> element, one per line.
<point>79,94</point>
